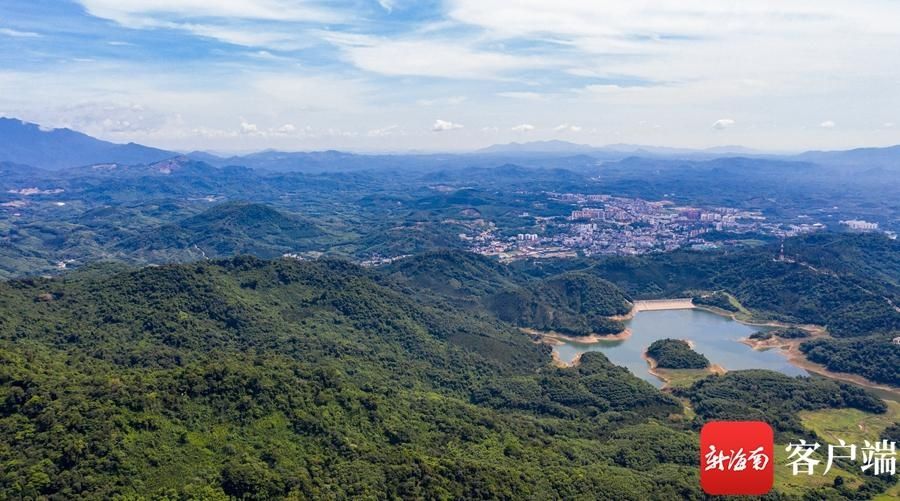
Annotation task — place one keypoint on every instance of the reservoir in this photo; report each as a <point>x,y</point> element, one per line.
<point>713,335</point>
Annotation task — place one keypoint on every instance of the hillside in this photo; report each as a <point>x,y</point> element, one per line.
<point>29,144</point>
<point>229,229</point>
<point>454,273</point>
<point>245,377</point>
<point>256,379</point>
<point>570,303</point>
<point>574,304</point>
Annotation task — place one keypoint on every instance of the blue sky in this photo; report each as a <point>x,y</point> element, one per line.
<point>396,75</point>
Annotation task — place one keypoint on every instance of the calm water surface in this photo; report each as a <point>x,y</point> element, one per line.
<point>713,335</point>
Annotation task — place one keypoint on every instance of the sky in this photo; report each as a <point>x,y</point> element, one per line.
<point>454,75</point>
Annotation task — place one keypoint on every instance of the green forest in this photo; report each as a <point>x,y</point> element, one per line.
<point>676,354</point>
<point>256,379</point>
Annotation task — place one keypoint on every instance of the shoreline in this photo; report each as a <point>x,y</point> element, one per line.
<point>562,364</point>
<point>814,330</point>
<point>789,348</point>
<point>554,338</point>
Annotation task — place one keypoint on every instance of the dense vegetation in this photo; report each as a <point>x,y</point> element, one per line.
<point>773,397</point>
<point>791,333</point>
<point>226,230</point>
<point>455,274</point>
<point>718,300</point>
<point>676,354</point>
<point>575,304</point>
<point>258,379</point>
<point>788,291</point>
<point>785,333</point>
<point>569,303</point>
<point>250,378</point>
<point>320,379</point>
<point>875,358</point>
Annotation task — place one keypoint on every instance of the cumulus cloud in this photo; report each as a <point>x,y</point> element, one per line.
<point>567,128</point>
<point>828,124</point>
<point>249,128</point>
<point>286,129</point>
<point>523,128</point>
<point>723,123</point>
<point>444,125</point>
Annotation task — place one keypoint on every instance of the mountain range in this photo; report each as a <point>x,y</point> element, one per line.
<point>30,144</point>
<point>54,149</point>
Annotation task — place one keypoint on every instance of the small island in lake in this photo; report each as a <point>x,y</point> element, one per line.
<point>676,354</point>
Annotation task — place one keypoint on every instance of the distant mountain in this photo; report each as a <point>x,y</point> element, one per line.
<point>203,156</point>
<point>612,151</point>
<point>29,144</point>
<point>281,161</point>
<point>229,229</point>
<point>13,172</point>
<point>886,158</point>
<point>175,166</point>
<point>553,146</point>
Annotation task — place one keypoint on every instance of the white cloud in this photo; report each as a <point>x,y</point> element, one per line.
<point>430,58</point>
<point>444,125</point>
<point>828,124</point>
<point>18,34</point>
<point>246,37</point>
<point>384,131</point>
<point>149,13</point>
<point>231,21</point>
<point>387,5</point>
<point>286,129</point>
<point>567,128</point>
<point>249,128</point>
<point>442,101</point>
<point>889,125</point>
<point>522,95</point>
<point>523,128</point>
<point>723,123</point>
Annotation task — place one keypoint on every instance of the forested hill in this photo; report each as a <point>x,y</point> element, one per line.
<point>570,303</point>
<point>226,230</point>
<point>257,379</point>
<point>247,377</point>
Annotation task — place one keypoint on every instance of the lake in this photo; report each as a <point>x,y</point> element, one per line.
<point>713,335</point>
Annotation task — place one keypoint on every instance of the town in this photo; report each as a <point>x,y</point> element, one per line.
<point>608,225</point>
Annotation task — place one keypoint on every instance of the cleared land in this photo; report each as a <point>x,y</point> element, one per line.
<point>663,304</point>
